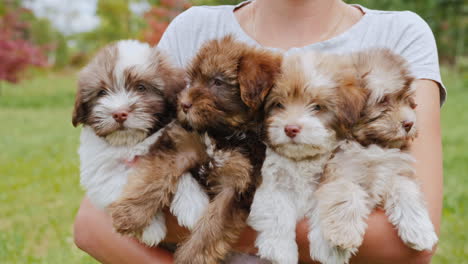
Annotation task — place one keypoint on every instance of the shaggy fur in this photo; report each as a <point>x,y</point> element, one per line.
<point>228,82</point>
<point>373,169</point>
<point>159,179</point>
<point>311,107</point>
<point>126,96</point>
<point>218,140</point>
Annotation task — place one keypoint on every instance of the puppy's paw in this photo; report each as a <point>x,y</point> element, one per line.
<point>278,251</point>
<point>323,251</point>
<point>155,232</point>
<point>418,236</point>
<point>343,237</point>
<point>127,219</point>
<point>331,255</point>
<point>189,202</point>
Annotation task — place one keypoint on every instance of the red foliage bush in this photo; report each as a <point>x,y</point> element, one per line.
<point>159,16</point>
<point>16,51</point>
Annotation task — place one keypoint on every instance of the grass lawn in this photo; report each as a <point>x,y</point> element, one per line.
<point>40,192</point>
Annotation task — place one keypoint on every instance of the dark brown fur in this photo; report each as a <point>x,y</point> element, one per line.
<point>228,82</point>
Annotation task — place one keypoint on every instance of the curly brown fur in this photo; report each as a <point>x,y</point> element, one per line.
<point>152,186</point>
<point>228,82</point>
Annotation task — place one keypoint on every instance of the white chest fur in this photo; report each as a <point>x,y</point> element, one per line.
<point>104,168</point>
<point>284,197</point>
<point>296,179</point>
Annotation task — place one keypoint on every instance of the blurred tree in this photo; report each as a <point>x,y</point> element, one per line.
<point>159,17</point>
<point>116,22</point>
<point>53,42</point>
<point>17,50</point>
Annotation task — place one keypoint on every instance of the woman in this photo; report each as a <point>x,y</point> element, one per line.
<point>323,25</point>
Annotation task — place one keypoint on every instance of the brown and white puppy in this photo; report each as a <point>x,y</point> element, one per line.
<point>126,96</point>
<point>219,110</point>
<point>227,84</point>
<point>374,168</point>
<point>310,108</point>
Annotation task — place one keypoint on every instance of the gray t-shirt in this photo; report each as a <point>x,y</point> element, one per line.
<point>404,32</point>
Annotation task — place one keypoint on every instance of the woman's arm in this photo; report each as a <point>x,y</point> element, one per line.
<point>93,233</point>
<point>381,243</point>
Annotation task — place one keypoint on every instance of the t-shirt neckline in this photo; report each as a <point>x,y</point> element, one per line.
<point>330,41</point>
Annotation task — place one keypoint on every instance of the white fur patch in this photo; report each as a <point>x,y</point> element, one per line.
<point>284,197</point>
<point>406,210</point>
<point>103,172</point>
<point>138,122</point>
<point>190,201</point>
<point>313,139</point>
<point>156,231</point>
<point>315,77</point>
<point>321,249</point>
<point>132,53</point>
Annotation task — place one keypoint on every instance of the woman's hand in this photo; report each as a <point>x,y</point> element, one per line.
<point>94,234</point>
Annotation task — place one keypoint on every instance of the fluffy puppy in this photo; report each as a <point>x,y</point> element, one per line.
<point>126,96</point>
<point>373,168</point>
<point>227,84</point>
<point>219,110</point>
<point>309,109</point>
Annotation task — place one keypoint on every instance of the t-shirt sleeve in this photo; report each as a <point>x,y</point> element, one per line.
<point>417,44</point>
<point>176,33</point>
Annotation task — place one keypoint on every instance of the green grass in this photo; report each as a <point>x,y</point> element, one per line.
<point>39,181</point>
<point>453,246</point>
<point>39,186</point>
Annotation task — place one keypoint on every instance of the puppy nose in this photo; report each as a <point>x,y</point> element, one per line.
<point>120,116</point>
<point>292,130</point>
<point>407,125</point>
<point>186,107</point>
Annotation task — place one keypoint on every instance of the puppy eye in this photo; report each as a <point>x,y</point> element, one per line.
<point>412,104</point>
<point>385,100</point>
<point>102,93</point>
<point>278,105</point>
<point>317,107</point>
<point>141,88</point>
<point>217,82</point>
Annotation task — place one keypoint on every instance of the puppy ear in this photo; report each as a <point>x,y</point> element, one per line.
<point>175,83</point>
<point>80,111</point>
<point>352,99</point>
<point>173,77</point>
<point>256,75</point>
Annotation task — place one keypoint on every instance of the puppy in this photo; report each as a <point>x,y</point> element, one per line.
<point>126,96</point>
<point>309,109</point>
<point>373,167</point>
<point>223,102</point>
